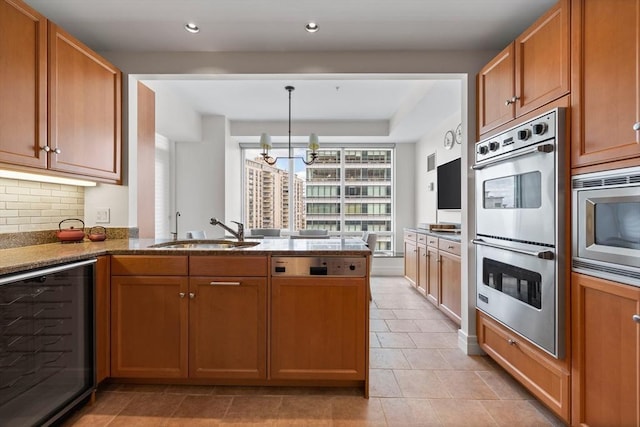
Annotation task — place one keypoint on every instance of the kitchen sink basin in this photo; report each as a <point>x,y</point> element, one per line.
<point>204,244</point>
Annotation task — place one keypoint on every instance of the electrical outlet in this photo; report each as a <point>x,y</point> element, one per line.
<point>103,216</point>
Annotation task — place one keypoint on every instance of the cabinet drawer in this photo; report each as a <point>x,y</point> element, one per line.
<point>228,266</point>
<point>432,241</point>
<point>410,235</point>
<point>542,375</point>
<point>156,265</point>
<point>422,239</point>
<point>449,246</point>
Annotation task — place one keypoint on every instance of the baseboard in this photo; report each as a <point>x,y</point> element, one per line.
<point>469,344</point>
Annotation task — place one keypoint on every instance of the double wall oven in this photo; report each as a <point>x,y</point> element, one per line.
<point>520,186</point>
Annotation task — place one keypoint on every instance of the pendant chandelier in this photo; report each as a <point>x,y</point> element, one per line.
<point>265,142</point>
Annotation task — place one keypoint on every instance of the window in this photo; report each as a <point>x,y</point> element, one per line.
<point>346,191</point>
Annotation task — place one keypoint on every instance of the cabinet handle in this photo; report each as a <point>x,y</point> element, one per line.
<point>45,148</point>
<point>636,126</point>
<point>225,283</point>
<point>636,318</point>
<point>182,294</point>
<point>57,151</point>
<point>512,342</point>
<point>449,247</point>
<point>192,295</point>
<point>511,101</point>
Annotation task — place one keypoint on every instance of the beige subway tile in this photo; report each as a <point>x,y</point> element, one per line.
<point>60,206</point>
<point>50,199</point>
<point>70,200</point>
<point>50,212</point>
<point>3,189</point>
<point>6,213</point>
<point>50,186</point>
<point>28,198</point>
<point>19,220</point>
<point>8,182</point>
<point>28,212</point>
<point>70,188</point>
<point>18,205</point>
<point>29,184</point>
<point>3,221</point>
<point>17,190</point>
<point>9,228</point>
<point>40,192</point>
<point>8,197</point>
<point>41,206</point>
<point>69,213</point>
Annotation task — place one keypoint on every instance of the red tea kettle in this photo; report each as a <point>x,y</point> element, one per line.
<point>70,234</point>
<point>97,233</point>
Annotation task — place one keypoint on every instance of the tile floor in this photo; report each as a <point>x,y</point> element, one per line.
<point>418,377</point>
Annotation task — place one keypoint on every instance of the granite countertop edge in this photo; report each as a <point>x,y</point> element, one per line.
<point>38,256</point>
<point>455,237</point>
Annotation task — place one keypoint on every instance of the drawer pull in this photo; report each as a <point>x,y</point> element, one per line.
<point>636,318</point>
<point>182,294</point>
<point>225,283</point>
<point>636,126</point>
<point>449,247</point>
<point>512,342</point>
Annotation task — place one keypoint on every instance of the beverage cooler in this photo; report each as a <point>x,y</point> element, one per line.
<point>47,349</point>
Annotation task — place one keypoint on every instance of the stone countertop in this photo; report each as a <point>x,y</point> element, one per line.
<point>30,257</point>
<point>453,236</point>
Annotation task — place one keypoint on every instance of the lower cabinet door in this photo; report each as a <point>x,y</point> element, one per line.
<point>605,352</point>
<point>318,328</point>
<point>450,282</point>
<point>149,326</point>
<point>433,276</point>
<point>228,327</point>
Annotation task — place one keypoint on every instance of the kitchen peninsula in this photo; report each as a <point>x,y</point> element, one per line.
<point>227,316</point>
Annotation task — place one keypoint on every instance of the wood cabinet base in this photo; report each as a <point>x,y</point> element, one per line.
<point>545,377</point>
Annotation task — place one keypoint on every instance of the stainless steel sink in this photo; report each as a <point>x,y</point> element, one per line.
<point>204,244</point>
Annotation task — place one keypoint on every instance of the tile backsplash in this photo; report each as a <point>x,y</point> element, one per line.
<point>37,206</point>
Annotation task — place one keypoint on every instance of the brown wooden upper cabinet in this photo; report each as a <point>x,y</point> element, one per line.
<point>61,104</point>
<point>605,92</point>
<point>529,73</point>
<point>23,85</point>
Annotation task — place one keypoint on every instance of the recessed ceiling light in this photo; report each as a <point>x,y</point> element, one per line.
<point>311,27</point>
<point>191,27</point>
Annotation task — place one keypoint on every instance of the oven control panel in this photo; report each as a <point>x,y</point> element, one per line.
<point>533,132</point>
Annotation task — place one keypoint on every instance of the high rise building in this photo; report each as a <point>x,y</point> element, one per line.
<point>359,201</point>
<point>266,197</point>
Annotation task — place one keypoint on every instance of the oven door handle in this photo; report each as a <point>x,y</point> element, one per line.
<point>542,148</point>
<point>538,254</point>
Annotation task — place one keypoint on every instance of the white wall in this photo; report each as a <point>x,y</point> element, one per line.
<point>405,191</point>
<point>175,118</point>
<point>200,178</point>
<point>426,199</point>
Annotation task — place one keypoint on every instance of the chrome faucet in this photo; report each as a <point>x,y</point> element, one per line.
<point>174,234</point>
<point>237,234</point>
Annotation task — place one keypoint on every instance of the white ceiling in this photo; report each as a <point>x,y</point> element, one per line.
<point>411,107</point>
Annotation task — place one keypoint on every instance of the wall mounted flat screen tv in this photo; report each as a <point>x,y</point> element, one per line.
<point>449,183</point>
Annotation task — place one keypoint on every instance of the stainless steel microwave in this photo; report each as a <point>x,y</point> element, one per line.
<point>606,224</point>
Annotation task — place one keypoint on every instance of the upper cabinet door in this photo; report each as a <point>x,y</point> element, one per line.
<point>23,85</point>
<point>530,73</point>
<point>605,92</point>
<point>542,60</point>
<point>84,109</point>
<point>496,88</point>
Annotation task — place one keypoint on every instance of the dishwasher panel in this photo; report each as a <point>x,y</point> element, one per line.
<point>319,266</point>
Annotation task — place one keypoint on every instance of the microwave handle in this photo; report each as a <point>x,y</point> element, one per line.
<point>542,148</point>
<point>537,254</point>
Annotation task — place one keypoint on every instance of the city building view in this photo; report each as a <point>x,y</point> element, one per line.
<point>346,191</point>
